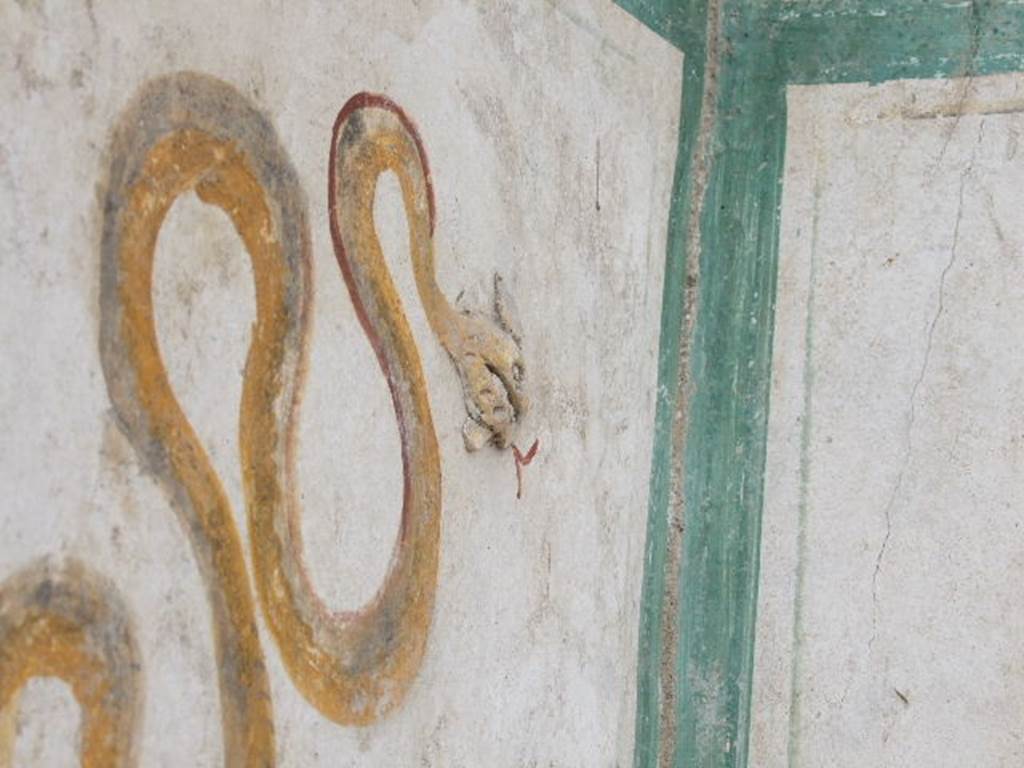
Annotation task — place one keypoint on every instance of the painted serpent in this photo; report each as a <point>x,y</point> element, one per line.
<point>192,133</point>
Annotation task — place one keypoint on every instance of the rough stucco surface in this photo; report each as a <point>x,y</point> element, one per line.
<point>531,655</point>
<point>892,514</point>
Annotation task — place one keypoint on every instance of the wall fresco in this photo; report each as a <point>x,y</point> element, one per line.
<point>190,132</point>
<point>64,621</point>
<point>249,394</point>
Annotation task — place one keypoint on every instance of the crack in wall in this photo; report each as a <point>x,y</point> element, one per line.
<point>912,408</point>
<point>970,59</point>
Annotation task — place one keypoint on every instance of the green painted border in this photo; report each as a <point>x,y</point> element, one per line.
<point>844,41</point>
<point>726,440</point>
<point>668,19</point>
<point>765,45</point>
<point>649,679</point>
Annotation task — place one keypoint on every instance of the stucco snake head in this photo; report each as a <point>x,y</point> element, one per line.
<point>489,359</point>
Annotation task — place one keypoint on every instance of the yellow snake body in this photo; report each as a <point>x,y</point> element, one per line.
<point>188,132</point>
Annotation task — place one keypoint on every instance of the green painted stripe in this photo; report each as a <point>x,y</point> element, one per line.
<point>651,655</point>
<point>681,22</point>
<point>731,369</point>
<point>841,42</point>
<point>803,505</point>
<point>666,18</point>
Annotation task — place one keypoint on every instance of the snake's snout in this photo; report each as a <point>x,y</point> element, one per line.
<point>490,362</point>
<point>492,383</point>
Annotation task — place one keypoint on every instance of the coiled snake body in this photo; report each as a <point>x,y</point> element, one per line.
<point>189,132</point>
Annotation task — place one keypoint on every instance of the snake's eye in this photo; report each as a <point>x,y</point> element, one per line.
<point>517,373</point>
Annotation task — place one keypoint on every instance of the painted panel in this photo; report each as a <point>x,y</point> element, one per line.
<point>889,629</point>
<point>222,285</point>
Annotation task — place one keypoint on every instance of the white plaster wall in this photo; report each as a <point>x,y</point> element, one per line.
<point>532,650</point>
<point>892,573</point>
